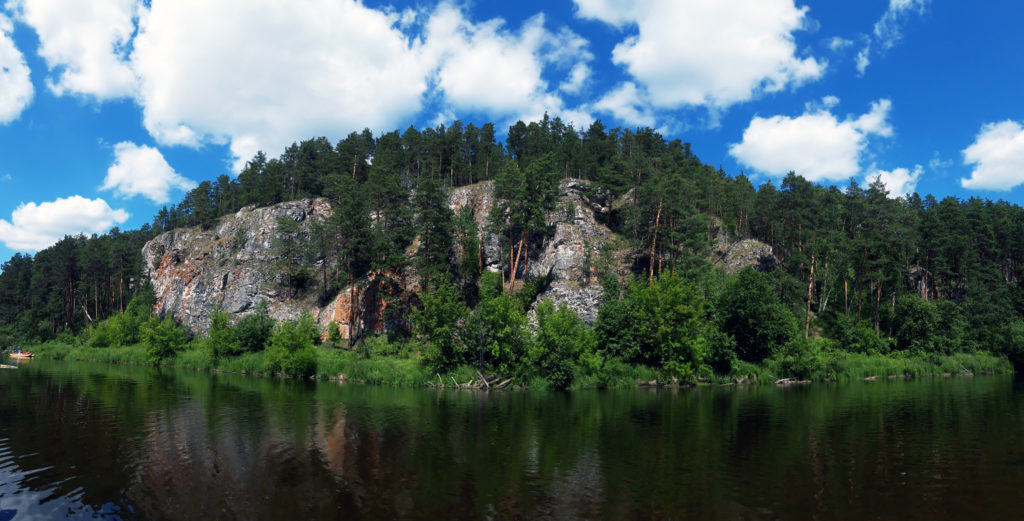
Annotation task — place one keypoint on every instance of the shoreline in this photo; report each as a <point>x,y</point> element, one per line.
<point>351,367</point>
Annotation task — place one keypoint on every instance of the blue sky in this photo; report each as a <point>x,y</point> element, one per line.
<point>110,109</point>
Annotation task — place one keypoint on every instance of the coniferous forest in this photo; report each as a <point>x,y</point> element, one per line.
<point>856,273</point>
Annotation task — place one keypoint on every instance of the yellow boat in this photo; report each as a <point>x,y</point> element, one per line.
<point>21,355</point>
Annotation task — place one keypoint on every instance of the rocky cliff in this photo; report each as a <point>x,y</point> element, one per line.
<point>234,265</point>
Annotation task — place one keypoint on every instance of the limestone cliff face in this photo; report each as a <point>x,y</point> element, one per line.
<point>234,264</point>
<point>231,264</point>
<point>570,257</point>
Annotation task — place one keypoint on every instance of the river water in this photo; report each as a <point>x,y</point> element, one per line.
<point>84,441</point>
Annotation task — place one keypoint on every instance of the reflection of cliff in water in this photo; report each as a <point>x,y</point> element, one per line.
<point>449,461</point>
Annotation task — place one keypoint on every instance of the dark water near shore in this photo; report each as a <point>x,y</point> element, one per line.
<point>82,441</point>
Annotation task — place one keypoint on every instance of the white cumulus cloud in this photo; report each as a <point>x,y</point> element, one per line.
<point>35,226</point>
<point>626,104</point>
<point>578,76</point>
<point>816,144</point>
<point>85,41</point>
<point>715,54</point>
<point>997,155</point>
<point>142,170</point>
<point>487,68</point>
<point>259,75</point>
<point>15,85</point>
<point>899,181</point>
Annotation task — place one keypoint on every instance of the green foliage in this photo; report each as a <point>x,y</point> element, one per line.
<point>246,363</point>
<point>333,333</point>
<point>750,311</point>
<point>123,329</point>
<point>435,225</point>
<point>162,337</point>
<point>438,322</point>
<point>523,196</point>
<point>291,350</point>
<point>496,334</point>
<point>561,339</point>
<point>490,285</point>
<point>221,339</point>
<point>288,247</point>
<point>1013,347</point>
<point>468,234</point>
<point>193,357</point>
<point>135,354</point>
<point>662,323</point>
<point>614,373</point>
<point>673,319</point>
<point>238,241</point>
<point>721,352</point>
<point>918,325</point>
<point>806,359</point>
<point>254,330</point>
<point>856,337</point>
<point>618,326</point>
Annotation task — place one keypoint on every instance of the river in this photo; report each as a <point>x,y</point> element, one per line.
<point>84,441</point>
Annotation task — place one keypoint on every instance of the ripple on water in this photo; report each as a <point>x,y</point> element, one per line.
<point>22,500</point>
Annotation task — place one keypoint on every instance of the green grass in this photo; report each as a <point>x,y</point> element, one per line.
<point>383,370</point>
<point>192,358</point>
<point>843,366</point>
<point>246,363</point>
<point>614,374</point>
<point>134,354</point>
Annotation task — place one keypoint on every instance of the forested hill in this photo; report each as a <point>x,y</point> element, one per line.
<point>868,271</point>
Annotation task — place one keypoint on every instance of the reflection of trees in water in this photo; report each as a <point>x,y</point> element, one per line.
<point>192,446</point>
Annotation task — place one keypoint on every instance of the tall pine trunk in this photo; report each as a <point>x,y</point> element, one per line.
<point>654,242</point>
<point>810,289</point>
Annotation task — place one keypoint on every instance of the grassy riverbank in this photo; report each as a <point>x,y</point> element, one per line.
<point>385,364</point>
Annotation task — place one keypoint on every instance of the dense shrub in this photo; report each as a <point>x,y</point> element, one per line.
<point>221,339</point>
<point>560,341</point>
<point>750,311</point>
<point>253,331</point>
<point>496,334</point>
<point>162,337</point>
<point>661,323</point>
<point>438,322</point>
<point>291,350</point>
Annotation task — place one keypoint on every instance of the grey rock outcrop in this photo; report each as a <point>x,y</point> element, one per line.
<point>570,257</point>
<point>234,264</point>
<point>735,254</point>
<point>231,265</point>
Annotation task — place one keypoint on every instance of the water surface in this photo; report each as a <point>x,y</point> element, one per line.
<point>82,441</point>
